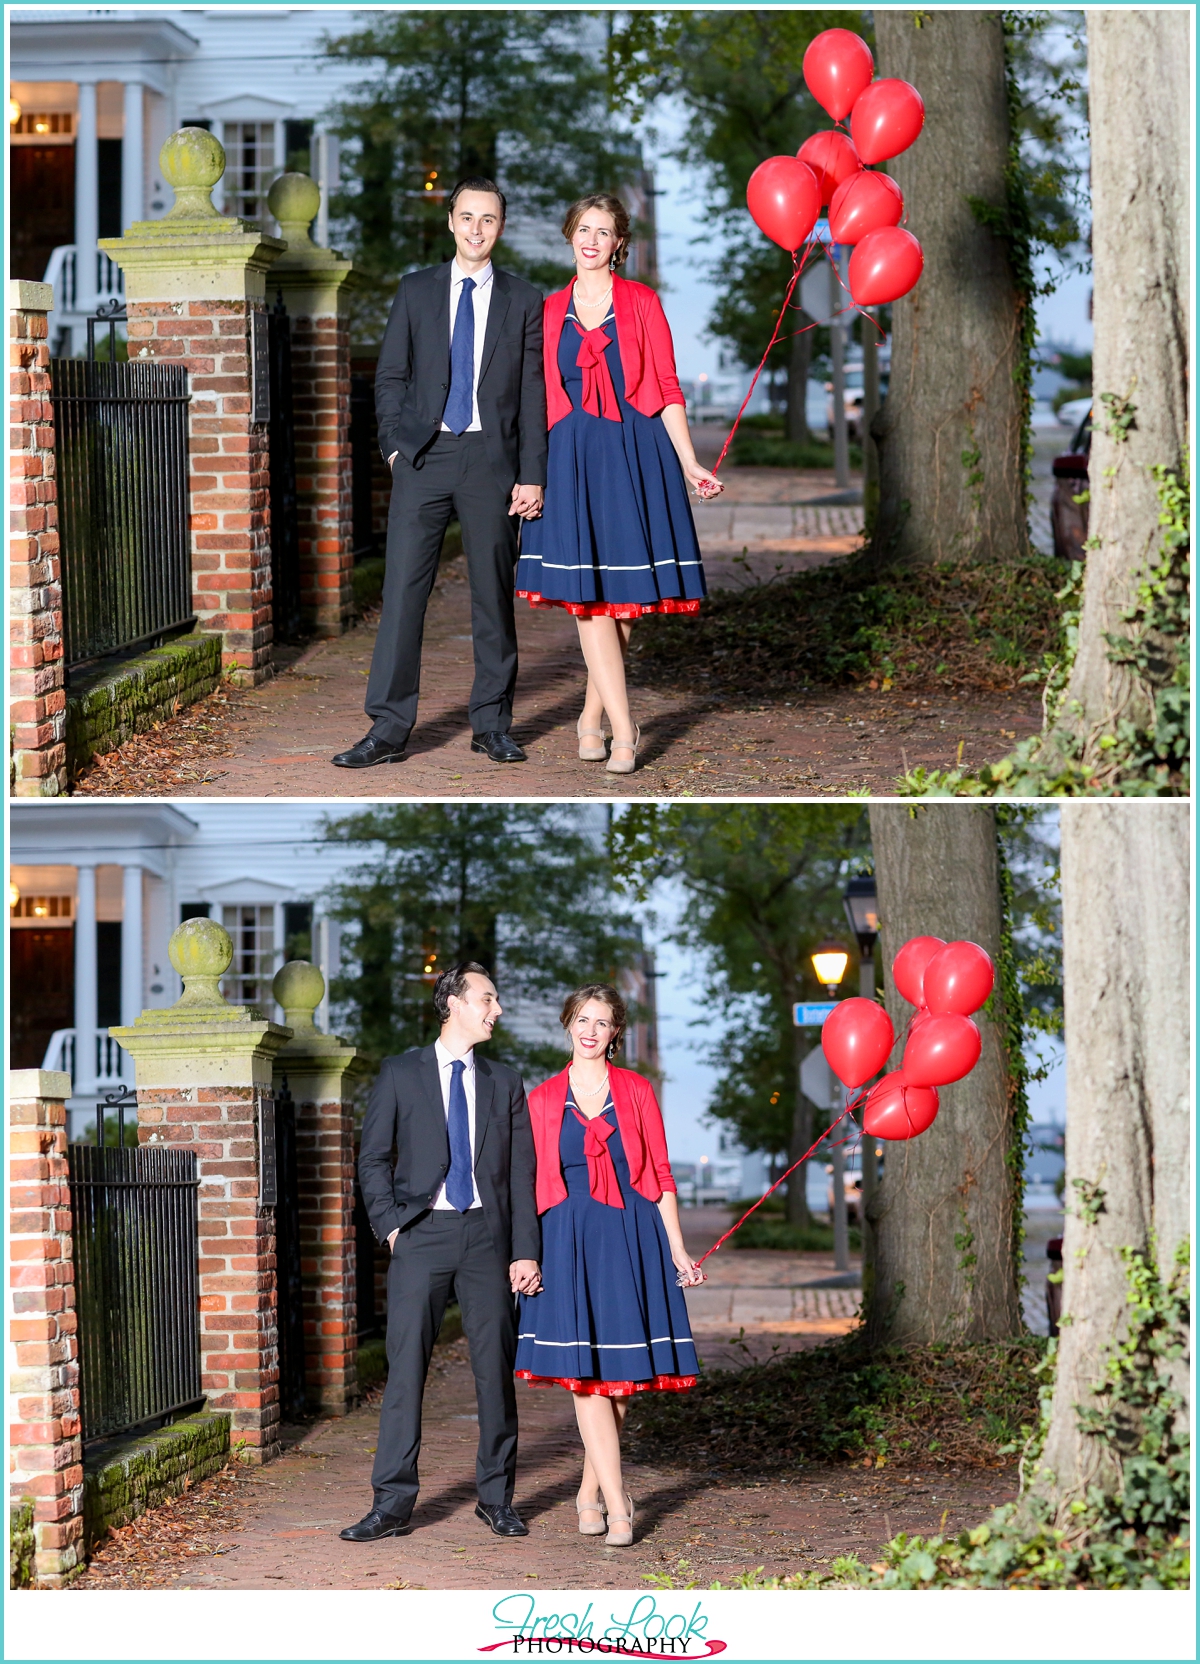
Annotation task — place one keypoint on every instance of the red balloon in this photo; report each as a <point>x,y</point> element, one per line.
<point>784,200</point>
<point>838,67</point>
<point>887,117</point>
<point>886,264</point>
<point>864,202</point>
<point>833,159</point>
<point>856,1040</point>
<point>942,1050</point>
<point>958,979</point>
<point>895,1108</point>
<point>908,967</point>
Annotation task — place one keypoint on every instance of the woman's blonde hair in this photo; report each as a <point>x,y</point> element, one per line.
<point>620,217</point>
<point>607,995</point>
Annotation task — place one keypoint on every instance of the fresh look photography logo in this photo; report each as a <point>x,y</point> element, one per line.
<point>646,1631</point>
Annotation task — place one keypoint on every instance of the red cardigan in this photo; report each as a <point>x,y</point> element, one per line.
<point>647,353</point>
<point>638,1118</point>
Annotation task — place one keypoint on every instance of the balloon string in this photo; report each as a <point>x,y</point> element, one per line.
<point>762,362</point>
<point>854,1103</point>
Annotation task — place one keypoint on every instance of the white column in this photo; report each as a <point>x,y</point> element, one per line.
<point>87,198</point>
<point>133,157</point>
<point>132,997</point>
<point>85,981</point>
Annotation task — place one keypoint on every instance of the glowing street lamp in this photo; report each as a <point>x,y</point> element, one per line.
<point>829,962</point>
<point>14,112</point>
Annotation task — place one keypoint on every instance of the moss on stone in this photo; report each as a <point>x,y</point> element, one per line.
<point>128,1476</point>
<point>110,706</point>
<point>20,1544</point>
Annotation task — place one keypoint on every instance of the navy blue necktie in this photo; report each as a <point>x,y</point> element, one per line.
<point>460,404</point>
<point>460,1181</point>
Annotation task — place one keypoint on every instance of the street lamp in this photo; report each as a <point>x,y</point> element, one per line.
<point>862,912</point>
<point>14,112</point>
<point>829,962</point>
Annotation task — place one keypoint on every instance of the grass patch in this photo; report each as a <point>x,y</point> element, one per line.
<point>764,1230</point>
<point>965,624</point>
<point>960,1405</point>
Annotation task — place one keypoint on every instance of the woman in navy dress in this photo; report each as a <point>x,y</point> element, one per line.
<point>611,1319</point>
<point>615,539</point>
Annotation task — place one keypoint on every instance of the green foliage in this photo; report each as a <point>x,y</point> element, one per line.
<point>522,888</point>
<point>764,884</point>
<point>952,625</point>
<point>764,450</point>
<point>518,96</point>
<point>945,1405</point>
<point>1130,760</point>
<point>765,1230</point>
<point>1011,1019</point>
<point>1136,1537</point>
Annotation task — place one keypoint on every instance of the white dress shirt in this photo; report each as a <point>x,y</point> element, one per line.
<point>444,1060</point>
<point>482,299</point>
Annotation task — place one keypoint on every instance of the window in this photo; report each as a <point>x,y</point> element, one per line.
<point>193,910</point>
<point>44,122</point>
<point>42,907</point>
<point>250,168</point>
<point>297,930</point>
<point>298,146</point>
<point>248,980</point>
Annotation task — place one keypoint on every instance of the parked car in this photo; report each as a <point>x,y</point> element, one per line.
<point>853,398</point>
<point>852,1182</point>
<point>1068,517</point>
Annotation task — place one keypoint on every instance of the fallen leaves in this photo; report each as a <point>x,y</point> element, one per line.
<point>177,752</point>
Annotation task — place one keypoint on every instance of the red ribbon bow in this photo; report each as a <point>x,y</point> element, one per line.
<point>599,394</point>
<point>602,1175</point>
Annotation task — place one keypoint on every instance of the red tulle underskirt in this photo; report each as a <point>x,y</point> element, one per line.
<point>610,1389</point>
<point>608,609</point>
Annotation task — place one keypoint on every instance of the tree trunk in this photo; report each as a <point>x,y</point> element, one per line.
<point>951,430</point>
<point>797,381</point>
<point>1126,959</point>
<point>1139,100</point>
<point>945,1267</point>
<point>797,1193</point>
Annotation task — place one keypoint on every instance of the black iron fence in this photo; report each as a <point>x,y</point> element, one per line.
<point>135,1229</point>
<point>122,469</point>
<point>289,1285</point>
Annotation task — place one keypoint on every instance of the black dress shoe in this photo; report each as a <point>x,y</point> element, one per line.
<point>375,1525</point>
<point>503,1520</point>
<point>501,748</point>
<point>368,752</point>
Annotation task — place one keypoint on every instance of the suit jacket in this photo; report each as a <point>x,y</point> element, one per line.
<point>405,1116</point>
<point>647,351</point>
<point>412,381</point>
<point>638,1118</point>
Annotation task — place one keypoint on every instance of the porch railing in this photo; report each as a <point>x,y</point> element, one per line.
<point>62,271</point>
<point>110,1059</point>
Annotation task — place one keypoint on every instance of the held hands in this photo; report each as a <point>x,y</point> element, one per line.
<point>525,1277</point>
<point>527,501</point>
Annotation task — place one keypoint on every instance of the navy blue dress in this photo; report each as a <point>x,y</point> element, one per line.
<point>611,1318</point>
<point>616,534</point>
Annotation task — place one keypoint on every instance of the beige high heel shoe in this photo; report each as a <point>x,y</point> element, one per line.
<point>589,753</point>
<point>620,1539</point>
<point>615,766</point>
<point>582,1508</point>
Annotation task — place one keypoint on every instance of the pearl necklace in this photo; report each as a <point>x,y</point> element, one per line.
<point>595,1090</point>
<point>603,301</point>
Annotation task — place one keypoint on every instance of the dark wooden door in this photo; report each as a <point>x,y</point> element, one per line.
<point>43,990</point>
<point>41,202</point>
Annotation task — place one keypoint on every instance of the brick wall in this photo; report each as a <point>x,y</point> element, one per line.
<point>231,544</point>
<point>325,1165</point>
<point>321,388</point>
<point>38,710</point>
<point>239,1350</point>
<point>46,1462</point>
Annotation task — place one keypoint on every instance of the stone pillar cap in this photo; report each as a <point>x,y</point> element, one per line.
<point>300,987</point>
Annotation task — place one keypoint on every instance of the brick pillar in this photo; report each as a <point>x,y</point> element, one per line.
<point>317,1067</point>
<point>203,1070</point>
<point>192,281</point>
<point>46,1461</point>
<point>36,682</point>
<point>315,283</point>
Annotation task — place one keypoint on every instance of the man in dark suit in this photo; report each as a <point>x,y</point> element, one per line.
<point>459,1211</point>
<point>460,395</point>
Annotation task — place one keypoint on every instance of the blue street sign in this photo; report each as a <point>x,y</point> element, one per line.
<point>812,1015</point>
